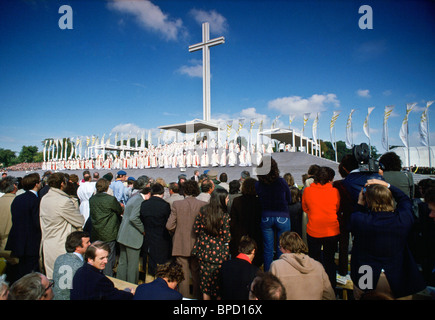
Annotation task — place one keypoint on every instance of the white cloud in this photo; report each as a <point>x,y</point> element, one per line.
<point>365,93</point>
<point>150,17</point>
<point>194,71</point>
<point>126,128</point>
<point>298,106</point>
<point>218,23</point>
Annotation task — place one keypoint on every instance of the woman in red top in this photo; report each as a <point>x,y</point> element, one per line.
<point>321,202</point>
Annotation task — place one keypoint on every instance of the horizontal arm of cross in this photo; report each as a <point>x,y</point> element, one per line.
<point>210,43</point>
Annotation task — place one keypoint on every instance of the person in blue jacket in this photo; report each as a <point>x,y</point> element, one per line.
<point>168,276</point>
<point>381,259</point>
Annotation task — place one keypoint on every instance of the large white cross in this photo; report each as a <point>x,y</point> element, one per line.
<point>205,46</point>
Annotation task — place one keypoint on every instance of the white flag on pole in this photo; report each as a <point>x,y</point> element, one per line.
<point>404,129</point>
<point>290,120</point>
<point>424,134</point>
<point>366,126</point>
<point>331,126</point>
<point>306,116</point>
<point>387,113</point>
<point>349,138</point>
<point>315,123</point>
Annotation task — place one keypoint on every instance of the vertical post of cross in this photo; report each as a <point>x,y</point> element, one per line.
<point>205,47</point>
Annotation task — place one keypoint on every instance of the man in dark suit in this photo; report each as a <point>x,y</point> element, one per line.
<point>90,283</point>
<point>154,214</point>
<point>181,222</point>
<point>25,235</point>
<point>168,276</point>
<point>238,273</point>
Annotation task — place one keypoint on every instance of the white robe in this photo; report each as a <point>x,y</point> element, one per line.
<point>84,192</point>
<point>232,159</point>
<point>223,161</point>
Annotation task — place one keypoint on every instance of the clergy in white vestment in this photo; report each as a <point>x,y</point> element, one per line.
<point>84,192</point>
<point>232,158</point>
<point>182,160</point>
<point>196,160</point>
<point>242,157</point>
<point>214,159</point>
<point>223,158</point>
<point>189,159</point>
<point>248,159</point>
<point>204,159</point>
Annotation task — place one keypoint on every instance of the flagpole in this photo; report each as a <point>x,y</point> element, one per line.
<point>407,142</point>
<point>335,143</point>
<point>386,136</point>
<point>428,137</point>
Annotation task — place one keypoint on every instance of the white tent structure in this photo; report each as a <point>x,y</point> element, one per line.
<point>294,139</point>
<point>193,127</point>
<point>419,156</point>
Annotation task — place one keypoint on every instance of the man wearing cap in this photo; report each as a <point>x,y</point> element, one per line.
<point>120,191</point>
<point>212,175</point>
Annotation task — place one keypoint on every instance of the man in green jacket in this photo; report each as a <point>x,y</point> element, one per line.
<point>105,214</point>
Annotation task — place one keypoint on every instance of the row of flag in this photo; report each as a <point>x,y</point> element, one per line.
<point>403,134</point>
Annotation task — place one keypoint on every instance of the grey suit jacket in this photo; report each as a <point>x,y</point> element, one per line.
<point>64,270</point>
<point>180,221</point>
<point>131,230</point>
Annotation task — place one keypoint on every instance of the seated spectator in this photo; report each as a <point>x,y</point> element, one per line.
<point>303,277</point>
<point>68,263</point>
<point>90,283</point>
<point>32,286</point>
<point>168,276</point>
<point>266,286</point>
<point>238,273</point>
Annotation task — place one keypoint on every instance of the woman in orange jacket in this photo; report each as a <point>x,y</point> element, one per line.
<point>321,202</point>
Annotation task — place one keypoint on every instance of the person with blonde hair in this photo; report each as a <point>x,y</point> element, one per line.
<point>304,278</point>
<point>381,259</point>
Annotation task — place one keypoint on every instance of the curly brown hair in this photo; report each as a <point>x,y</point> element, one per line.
<point>172,271</point>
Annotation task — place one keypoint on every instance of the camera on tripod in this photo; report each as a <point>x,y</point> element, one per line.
<point>366,163</point>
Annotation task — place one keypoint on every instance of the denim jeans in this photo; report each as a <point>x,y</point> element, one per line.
<point>272,227</point>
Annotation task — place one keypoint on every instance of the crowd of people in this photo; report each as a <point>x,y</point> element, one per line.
<point>205,238</point>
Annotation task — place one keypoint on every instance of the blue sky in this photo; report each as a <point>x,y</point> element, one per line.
<point>125,66</point>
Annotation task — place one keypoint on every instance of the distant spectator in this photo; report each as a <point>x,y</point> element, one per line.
<point>32,286</point>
